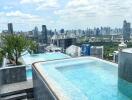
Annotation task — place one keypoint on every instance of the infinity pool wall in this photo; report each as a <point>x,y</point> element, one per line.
<point>125,73</point>
<point>41,89</point>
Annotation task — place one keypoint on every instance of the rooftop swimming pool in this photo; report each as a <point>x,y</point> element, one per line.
<point>29,59</point>
<point>84,78</point>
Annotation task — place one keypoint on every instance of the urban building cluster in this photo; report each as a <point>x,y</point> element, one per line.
<point>51,41</point>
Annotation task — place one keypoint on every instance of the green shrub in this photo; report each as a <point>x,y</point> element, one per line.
<point>14,45</point>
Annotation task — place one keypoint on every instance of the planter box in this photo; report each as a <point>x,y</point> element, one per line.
<point>13,74</point>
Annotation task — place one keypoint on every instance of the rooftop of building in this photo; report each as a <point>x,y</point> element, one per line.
<point>98,47</point>
<point>62,36</point>
<point>53,47</point>
<point>128,50</point>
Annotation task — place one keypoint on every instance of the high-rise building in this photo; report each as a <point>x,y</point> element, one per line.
<point>105,30</point>
<point>62,31</point>
<point>126,30</point>
<point>10,28</point>
<point>97,31</point>
<point>35,33</point>
<point>44,34</point>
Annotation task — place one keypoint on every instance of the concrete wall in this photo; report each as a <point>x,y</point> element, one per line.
<point>125,73</point>
<point>13,74</point>
<point>125,66</point>
<point>41,90</point>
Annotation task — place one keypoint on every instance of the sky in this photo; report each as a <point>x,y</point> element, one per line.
<point>67,14</point>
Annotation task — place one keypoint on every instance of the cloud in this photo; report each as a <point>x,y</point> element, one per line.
<point>70,13</point>
<point>94,11</point>
<point>23,21</point>
<point>1,14</point>
<point>20,15</point>
<point>25,1</point>
<point>77,3</point>
<point>77,12</point>
<point>49,4</point>
<point>42,4</point>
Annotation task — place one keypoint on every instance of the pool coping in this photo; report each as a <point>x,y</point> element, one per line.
<point>58,93</point>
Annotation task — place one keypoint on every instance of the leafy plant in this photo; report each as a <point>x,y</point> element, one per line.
<point>14,45</point>
<point>1,56</point>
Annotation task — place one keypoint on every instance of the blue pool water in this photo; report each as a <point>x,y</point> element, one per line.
<point>29,59</point>
<point>29,73</point>
<point>85,78</point>
<point>97,80</point>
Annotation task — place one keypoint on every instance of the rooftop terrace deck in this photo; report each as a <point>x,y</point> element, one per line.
<point>16,86</point>
<point>18,89</point>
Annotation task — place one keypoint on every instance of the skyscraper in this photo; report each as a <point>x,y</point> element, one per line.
<point>62,31</point>
<point>126,30</point>
<point>10,28</point>
<point>35,32</point>
<point>44,34</point>
<point>97,31</point>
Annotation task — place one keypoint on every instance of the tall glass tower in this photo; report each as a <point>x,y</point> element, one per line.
<point>10,28</point>
<point>126,30</point>
<point>44,34</point>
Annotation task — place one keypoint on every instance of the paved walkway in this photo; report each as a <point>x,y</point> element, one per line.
<point>16,86</point>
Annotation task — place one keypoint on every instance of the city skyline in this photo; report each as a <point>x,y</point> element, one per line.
<point>67,14</point>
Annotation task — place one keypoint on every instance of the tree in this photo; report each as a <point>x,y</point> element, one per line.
<point>1,56</point>
<point>14,45</point>
<point>33,47</point>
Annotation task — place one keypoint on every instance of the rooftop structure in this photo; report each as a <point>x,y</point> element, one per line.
<point>115,56</point>
<point>122,45</point>
<point>62,41</point>
<point>97,51</point>
<point>62,36</point>
<point>73,51</point>
<point>53,48</point>
<point>127,50</point>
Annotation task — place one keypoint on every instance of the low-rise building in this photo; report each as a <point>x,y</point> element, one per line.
<point>62,41</point>
<point>53,48</point>
<point>97,51</point>
<point>73,51</point>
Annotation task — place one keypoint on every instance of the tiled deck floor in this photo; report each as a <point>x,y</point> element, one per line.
<point>16,87</point>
